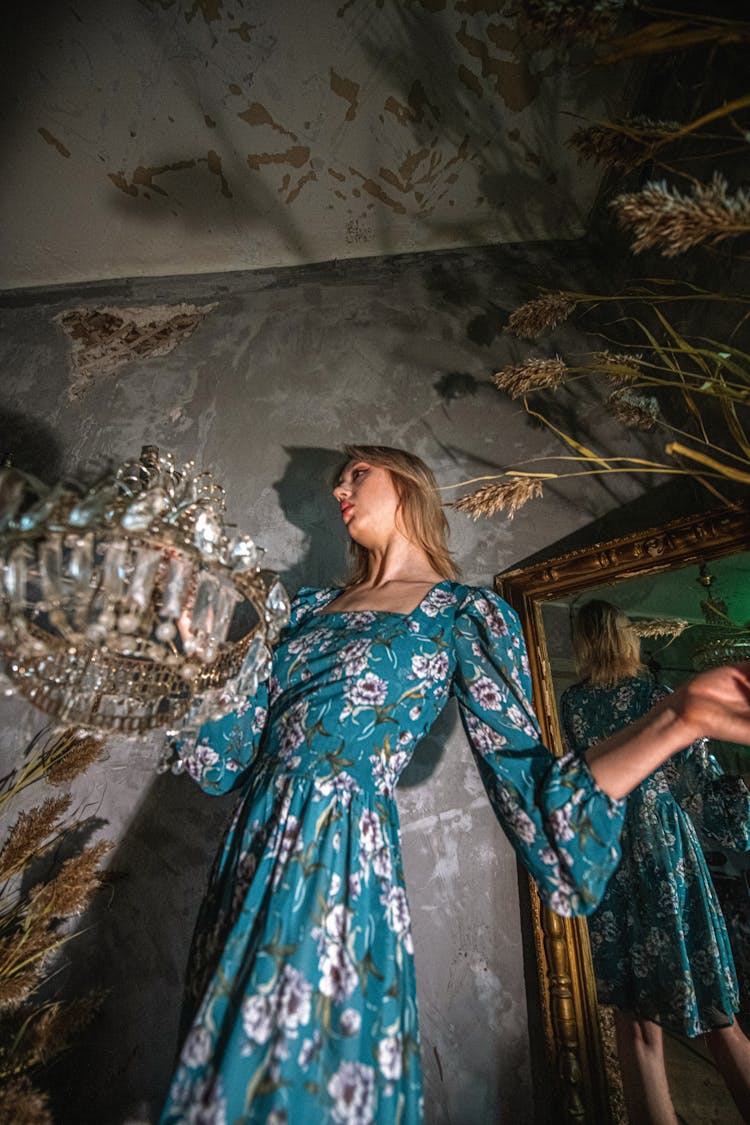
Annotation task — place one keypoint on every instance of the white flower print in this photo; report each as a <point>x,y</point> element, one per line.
<point>342,784</point>
<point>355,885</point>
<point>291,728</point>
<point>430,668</point>
<point>350,1021</point>
<point>389,1053</point>
<point>521,721</point>
<point>259,719</point>
<point>293,1000</point>
<point>338,977</point>
<point>200,760</point>
<point>207,1106</point>
<point>514,817</point>
<point>486,693</point>
<point>483,737</point>
<point>397,914</point>
<point>437,600</point>
<point>256,1021</point>
<point>307,1050</point>
<point>198,1047</point>
<point>370,833</point>
<point>334,886</point>
<point>559,822</point>
<point>352,1088</point>
<point>353,656</point>
<point>369,691</point>
<point>338,922</point>
<point>415,712</point>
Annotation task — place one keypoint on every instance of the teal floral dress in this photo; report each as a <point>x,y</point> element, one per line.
<point>658,938</point>
<point>301,978</point>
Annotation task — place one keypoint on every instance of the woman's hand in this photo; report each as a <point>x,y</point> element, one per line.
<point>715,704</point>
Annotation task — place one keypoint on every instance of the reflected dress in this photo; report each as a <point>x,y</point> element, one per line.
<point>301,976</point>
<point>658,938</point>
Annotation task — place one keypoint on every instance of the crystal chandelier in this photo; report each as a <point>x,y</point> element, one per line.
<point>127,606</point>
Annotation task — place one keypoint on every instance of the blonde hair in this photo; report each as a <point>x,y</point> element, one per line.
<point>420,509</point>
<point>606,645</point>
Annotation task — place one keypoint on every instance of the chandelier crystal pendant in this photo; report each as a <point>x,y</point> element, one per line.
<point>128,607</point>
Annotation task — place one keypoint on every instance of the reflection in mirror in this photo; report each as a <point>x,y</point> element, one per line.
<point>671,939</point>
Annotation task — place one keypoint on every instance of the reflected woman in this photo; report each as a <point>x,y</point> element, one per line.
<point>659,942</point>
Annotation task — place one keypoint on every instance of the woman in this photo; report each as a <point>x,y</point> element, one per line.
<point>660,946</point>
<point>302,975</point>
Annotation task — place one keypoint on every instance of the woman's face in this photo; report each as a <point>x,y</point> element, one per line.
<point>369,502</point>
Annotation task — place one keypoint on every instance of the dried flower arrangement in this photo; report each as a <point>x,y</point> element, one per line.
<point>33,1027</point>
<point>659,374</point>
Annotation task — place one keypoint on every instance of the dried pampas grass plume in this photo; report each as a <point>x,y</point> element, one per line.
<point>660,627</point>
<point>622,144</point>
<point>531,375</point>
<point>637,412</point>
<point>673,223</point>
<point>543,312</point>
<point>71,890</point>
<point>82,752</point>
<point>572,21</point>
<point>30,834</point>
<point>507,497</point>
<point>23,1104</point>
<point>619,368</point>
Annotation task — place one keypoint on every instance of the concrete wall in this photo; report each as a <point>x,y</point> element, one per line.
<point>151,137</point>
<point>285,367</point>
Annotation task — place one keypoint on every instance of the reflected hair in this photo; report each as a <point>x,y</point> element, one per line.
<point>420,511</point>
<point>607,647</point>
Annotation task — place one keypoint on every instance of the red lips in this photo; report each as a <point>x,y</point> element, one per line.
<point>345,509</point>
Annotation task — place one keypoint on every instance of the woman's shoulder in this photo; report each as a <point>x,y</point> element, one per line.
<point>307,600</point>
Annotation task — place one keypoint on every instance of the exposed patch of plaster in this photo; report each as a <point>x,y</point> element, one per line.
<point>143,176</point>
<point>470,80</point>
<point>375,190</point>
<point>52,140</point>
<point>104,339</point>
<point>348,90</point>
<point>257,114</point>
<point>306,179</point>
<point>414,111</point>
<point>514,82</point>
<point>296,156</point>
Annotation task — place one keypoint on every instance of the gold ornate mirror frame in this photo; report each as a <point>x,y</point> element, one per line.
<point>570,1024</point>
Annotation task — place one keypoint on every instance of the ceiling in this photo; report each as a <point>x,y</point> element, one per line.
<point>162,137</point>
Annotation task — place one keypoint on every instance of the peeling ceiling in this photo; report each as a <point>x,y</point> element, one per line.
<point>155,137</point>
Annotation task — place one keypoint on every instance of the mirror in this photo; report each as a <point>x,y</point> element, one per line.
<point>696,570</point>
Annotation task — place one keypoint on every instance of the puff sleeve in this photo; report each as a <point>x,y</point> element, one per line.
<point>564,829</point>
<point>226,748</point>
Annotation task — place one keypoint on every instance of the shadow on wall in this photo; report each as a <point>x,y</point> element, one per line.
<point>304,493</point>
<point>32,446</point>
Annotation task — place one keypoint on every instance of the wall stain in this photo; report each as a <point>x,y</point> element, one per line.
<point>514,82</point>
<point>118,179</point>
<point>348,90</point>
<point>144,175</point>
<point>470,80</point>
<point>243,31</point>
<point>306,179</point>
<point>296,156</point>
<point>234,89</point>
<point>529,155</point>
<point>375,190</point>
<point>336,175</point>
<point>257,114</point>
<point>414,111</point>
<point>209,121</point>
<point>214,166</point>
<point>51,140</point>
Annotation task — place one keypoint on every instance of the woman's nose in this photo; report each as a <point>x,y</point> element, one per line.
<point>340,491</point>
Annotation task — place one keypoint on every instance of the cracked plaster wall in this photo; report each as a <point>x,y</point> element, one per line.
<point>152,137</point>
<point>287,366</point>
